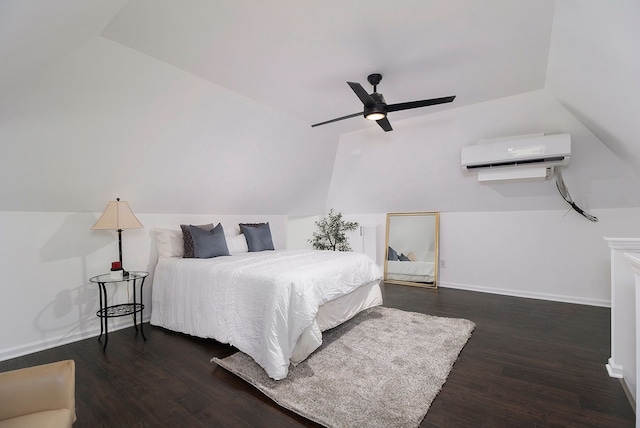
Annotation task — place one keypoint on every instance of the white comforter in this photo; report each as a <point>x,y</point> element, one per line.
<point>258,302</point>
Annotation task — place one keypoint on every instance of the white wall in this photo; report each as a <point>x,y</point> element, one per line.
<point>548,254</point>
<point>48,258</point>
<point>299,230</point>
<point>417,166</point>
<point>551,255</point>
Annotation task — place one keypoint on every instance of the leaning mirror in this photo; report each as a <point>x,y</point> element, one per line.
<point>412,249</point>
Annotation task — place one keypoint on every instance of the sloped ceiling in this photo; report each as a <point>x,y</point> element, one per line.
<point>594,70</point>
<point>214,98</point>
<point>298,55</point>
<point>34,33</point>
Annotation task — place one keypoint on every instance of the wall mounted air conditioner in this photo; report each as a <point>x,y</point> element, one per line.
<point>517,158</point>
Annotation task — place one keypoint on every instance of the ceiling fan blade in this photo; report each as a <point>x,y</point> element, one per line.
<point>417,104</point>
<point>362,94</point>
<point>337,119</point>
<point>384,124</point>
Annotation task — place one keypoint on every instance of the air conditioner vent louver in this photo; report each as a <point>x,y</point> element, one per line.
<point>517,154</point>
<point>516,163</point>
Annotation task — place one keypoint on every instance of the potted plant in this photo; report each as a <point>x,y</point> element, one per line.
<point>331,233</point>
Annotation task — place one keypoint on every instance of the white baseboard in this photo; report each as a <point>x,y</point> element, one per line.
<point>528,294</point>
<point>30,348</point>
<point>627,392</point>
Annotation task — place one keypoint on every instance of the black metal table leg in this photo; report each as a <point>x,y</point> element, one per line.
<point>105,319</point>
<point>141,308</point>
<point>135,324</point>
<point>102,306</point>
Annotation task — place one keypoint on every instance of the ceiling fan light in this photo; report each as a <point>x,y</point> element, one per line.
<point>375,115</point>
<point>376,111</point>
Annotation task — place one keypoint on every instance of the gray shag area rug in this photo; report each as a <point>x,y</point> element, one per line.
<point>382,368</point>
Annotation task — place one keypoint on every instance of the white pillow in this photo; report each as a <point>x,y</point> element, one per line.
<point>170,243</point>
<point>237,244</point>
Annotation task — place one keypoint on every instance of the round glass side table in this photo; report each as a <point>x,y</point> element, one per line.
<point>120,310</point>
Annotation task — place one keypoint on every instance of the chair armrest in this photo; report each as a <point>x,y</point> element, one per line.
<point>39,388</point>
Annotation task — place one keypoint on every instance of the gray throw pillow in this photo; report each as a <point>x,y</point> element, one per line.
<point>209,244</point>
<point>188,240</point>
<point>258,236</point>
<point>392,254</point>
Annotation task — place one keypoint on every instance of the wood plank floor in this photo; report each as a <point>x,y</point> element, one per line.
<point>529,363</point>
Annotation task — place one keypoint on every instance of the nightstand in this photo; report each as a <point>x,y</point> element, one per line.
<point>106,312</point>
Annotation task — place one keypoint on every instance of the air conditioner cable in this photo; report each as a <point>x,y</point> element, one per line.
<point>564,192</point>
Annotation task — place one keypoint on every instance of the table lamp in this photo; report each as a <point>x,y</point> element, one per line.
<point>117,216</point>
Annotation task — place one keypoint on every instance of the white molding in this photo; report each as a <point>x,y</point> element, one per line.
<point>528,294</point>
<point>53,342</point>
<point>614,370</point>
<point>634,261</point>
<point>626,244</point>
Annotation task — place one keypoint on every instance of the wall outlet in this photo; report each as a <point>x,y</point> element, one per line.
<point>443,264</point>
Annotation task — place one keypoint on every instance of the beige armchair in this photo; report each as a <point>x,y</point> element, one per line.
<point>40,396</point>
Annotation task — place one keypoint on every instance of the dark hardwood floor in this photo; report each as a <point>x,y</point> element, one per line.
<point>529,363</point>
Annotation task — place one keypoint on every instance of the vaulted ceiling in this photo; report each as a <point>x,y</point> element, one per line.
<point>297,56</point>
<point>289,61</point>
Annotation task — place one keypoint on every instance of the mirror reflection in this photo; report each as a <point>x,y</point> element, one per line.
<point>412,249</point>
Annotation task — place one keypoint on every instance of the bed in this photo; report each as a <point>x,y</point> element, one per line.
<point>271,304</point>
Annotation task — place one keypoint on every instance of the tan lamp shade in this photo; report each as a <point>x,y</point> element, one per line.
<point>117,216</point>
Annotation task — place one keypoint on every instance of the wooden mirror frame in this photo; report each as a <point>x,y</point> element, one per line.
<point>418,254</point>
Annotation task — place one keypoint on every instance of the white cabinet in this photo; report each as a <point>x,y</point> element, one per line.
<point>622,363</point>
<point>634,262</point>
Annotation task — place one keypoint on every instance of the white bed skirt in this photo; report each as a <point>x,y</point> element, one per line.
<point>334,313</point>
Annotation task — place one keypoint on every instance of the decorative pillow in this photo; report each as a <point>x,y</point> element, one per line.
<point>208,244</point>
<point>258,236</point>
<point>237,244</point>
<point>412,257</point>
<point>169,243</point>
<point>188,240</point>
<point>403,258</point>
<point>392,254</point>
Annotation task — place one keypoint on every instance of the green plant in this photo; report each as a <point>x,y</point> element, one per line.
<point>331,233</point>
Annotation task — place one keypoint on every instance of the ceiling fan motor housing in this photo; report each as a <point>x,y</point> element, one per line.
<point>378,108</point>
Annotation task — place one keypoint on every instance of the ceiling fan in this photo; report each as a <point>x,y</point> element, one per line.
<point>375,107</point>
